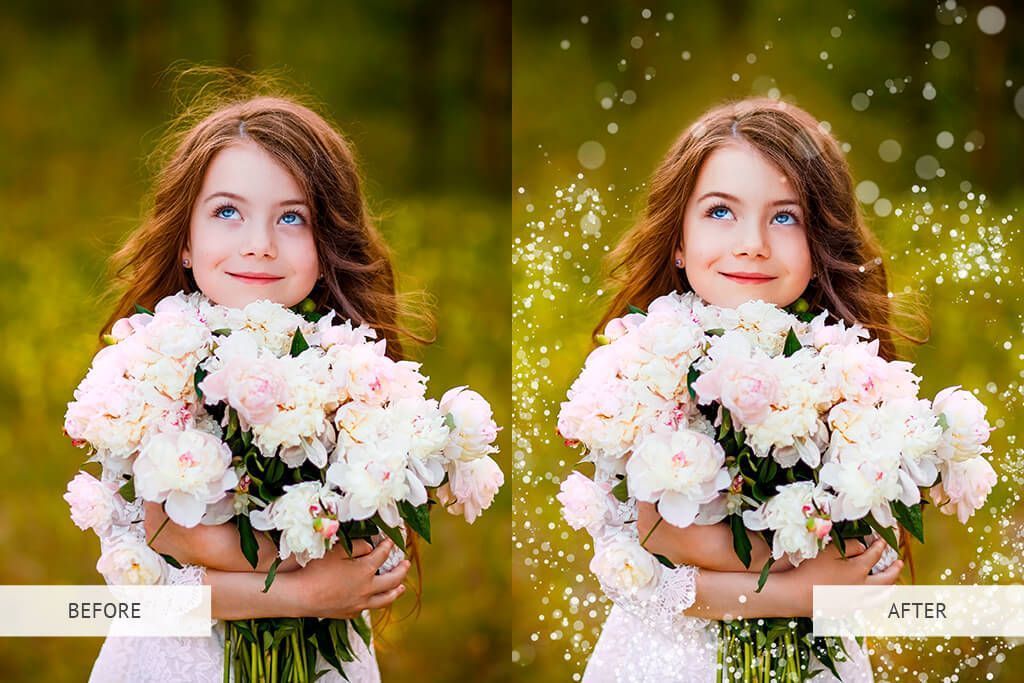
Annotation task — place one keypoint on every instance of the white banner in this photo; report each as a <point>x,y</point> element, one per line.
<point>919,611</point>
<point>112,611</point>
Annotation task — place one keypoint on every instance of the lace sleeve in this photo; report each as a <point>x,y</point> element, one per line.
<point>674,590</point>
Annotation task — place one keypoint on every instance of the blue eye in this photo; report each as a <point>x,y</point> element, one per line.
<point>227,213</point>
<point>787,218</point>
<point>720,212</point>
<point>293,218</point>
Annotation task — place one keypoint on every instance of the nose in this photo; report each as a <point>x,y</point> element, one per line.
<point>259,240</point>
<point>751,240</point>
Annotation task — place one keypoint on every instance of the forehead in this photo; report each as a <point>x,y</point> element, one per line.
<point>246,169</point>
<point>738,169</point>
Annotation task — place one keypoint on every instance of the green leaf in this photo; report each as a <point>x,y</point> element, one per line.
<point>765,570</point>
<point>362,629</point>
<point>883,531</point>
<point>418,517</point>
<point>741,438</point>
<point>143,309</point>
<point>943,421</point>
<point>222,332</point>
<point>691,377</point>
<point>127,491</point>
<point>664,560</point>
<point>792,344</point>
<point>621,491</point>
<point>634,309</point>
<point>232,424</point>
<point>326,644</point>
<point>449,421</point>
<point>250,548</point>
<point>197,380</point>
<point>247,438</point>
<point>169,559</point>
<point>271,574</point>
<point>299,343</point>
<point>839,541</point>
<point>726,425</point>
<point>339,633</point>
<point>715,332</point>
<point>740,541</point>
<point>391,532</point>
<point>910,517</point>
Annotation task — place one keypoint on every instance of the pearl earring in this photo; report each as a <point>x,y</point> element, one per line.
<point>186,263</point>
<point>679,263</point>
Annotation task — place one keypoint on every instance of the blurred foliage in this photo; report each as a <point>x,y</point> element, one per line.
<point>631,77</point>
<point>421,88</point>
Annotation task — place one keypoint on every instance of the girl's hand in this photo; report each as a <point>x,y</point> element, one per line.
<point>341,587</point>
<point>830,569</point>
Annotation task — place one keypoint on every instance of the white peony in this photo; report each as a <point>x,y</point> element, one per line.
<point>129,561</point>
<point>967,430</point>
<point>799,514</point>
<point>307,516</point>
<point>373,481</point>
<point>678,470</point>
<point>473,427</point>
<point>189,470</point>
<point>624,568</point>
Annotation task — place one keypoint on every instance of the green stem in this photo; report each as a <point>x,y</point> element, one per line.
<point>644,542</point>
<point>227,652</point>
<point>150,542</point>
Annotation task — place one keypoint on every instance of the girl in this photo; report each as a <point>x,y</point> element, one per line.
<point>260,199</point>
<point>753,201</point>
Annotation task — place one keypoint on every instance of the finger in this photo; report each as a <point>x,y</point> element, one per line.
<point>887,577</point>
<point>361,548</point>
<point>385,582</point>
<point>873,554</point>
<point>382,600</point>
<point>379,555</point>
<point>855,547</point>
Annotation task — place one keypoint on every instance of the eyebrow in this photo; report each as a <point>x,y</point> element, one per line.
<point>240,198</point>
<point>733,198</point>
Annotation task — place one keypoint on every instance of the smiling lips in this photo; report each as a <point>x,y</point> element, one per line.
<point>256,278</point>
<point>749,278</point>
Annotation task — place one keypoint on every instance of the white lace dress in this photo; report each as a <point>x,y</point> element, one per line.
<point>651,641</point>
<point>201,660</point>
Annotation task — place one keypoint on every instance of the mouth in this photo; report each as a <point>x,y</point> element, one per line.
<point>256,278</point>
<point>748,278</point>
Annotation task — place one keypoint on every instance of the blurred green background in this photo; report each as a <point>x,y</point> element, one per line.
<point>422,90</point>
<point>927,98</point>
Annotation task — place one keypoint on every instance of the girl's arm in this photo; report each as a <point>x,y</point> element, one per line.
<point>706,546</point>
<point>335,587</point>
<point>215,547</point>
<point>718,594</point>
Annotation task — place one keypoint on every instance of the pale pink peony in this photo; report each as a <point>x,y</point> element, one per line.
<point>746,387</point>
<point>585,503</point>
<point>94,504</point>
<point>964,487</point>
<point>255,387</point>
<point>471,487</point>
<point>126,327</point>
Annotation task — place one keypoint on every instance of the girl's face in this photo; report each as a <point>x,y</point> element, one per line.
<point>744,236</point>
<point>250,235</point>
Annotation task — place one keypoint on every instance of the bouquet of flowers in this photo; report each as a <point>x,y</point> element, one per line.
<point>279,420</point>
<point>774,421</point>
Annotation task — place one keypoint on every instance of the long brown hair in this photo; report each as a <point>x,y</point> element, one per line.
<point>232,106</point>
<point>852,283</point>
<point>359,281</point>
